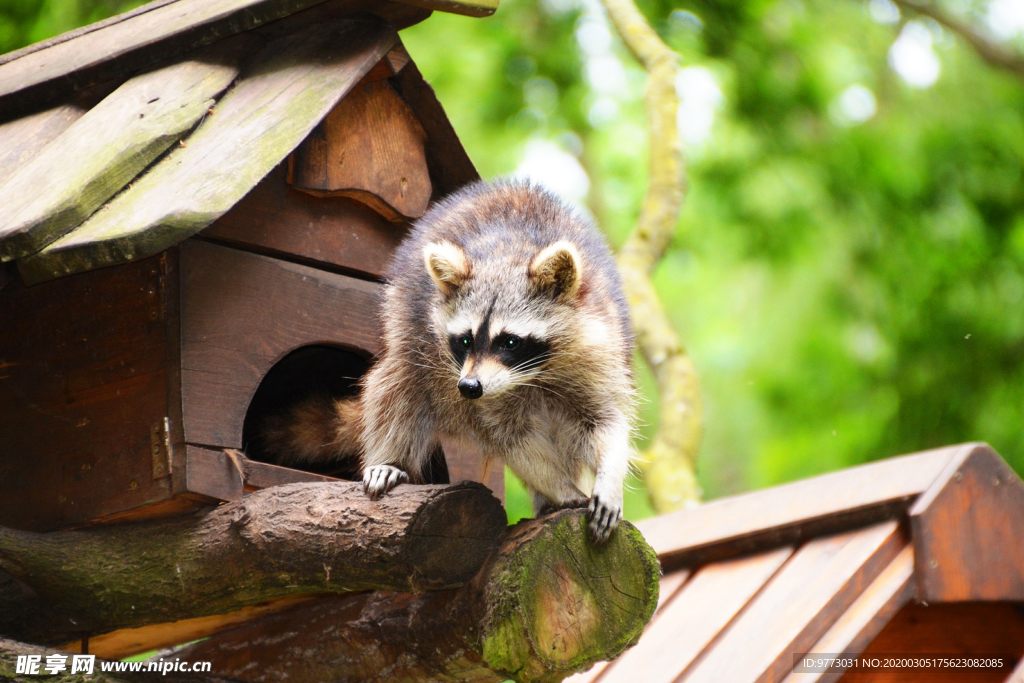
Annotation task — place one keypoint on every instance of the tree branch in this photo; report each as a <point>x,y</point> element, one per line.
<point>669,464</point>
<point>285,540</point>
<point>986,47</point>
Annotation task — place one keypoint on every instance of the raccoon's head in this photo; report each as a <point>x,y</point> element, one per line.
<point>502,317</point>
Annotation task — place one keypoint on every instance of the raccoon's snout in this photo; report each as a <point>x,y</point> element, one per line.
<point>470,387</point>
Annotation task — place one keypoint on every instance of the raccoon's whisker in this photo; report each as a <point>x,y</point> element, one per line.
<point>540,386</point>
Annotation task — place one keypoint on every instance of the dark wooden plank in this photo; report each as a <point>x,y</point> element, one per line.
<point>241,313</point>
<point>212,474</point>
<point>450,166</point>
<point>798,605</point>
<point>866,617</point>
<point>695,617</point>
<point>973,628</point>
<point>83,380</point>
<point>261,475</point>
<point>370,148</point>
<point>968,529</point>
<point>335,233</point>
<point>100,152</point>
<point>283,94</point>
<point>804,509</point>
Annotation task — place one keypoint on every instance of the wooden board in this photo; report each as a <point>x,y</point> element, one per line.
<point>798,605</point>
<point>801,510</point>
<point>332,233</point>
<point>98,154</point>
<point>241,313</point>
<point>288,89</point>
<point>21,139</point>
<point>968,531</point>
<point>694,618</point>
<point>450,166</point>
<point>84,377</point>
<point>370,148</point>
<point>866,617</point>
<point>973,628</point>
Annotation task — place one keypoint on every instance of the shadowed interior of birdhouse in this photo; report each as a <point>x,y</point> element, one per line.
<point>305,373</point>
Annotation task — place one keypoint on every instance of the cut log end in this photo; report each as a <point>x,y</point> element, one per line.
<point>558,602</point>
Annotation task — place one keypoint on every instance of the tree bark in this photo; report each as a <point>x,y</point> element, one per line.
<point>547,603</point>
<point>285,540</point>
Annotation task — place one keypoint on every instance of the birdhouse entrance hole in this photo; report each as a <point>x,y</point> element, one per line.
<point>308,371</point>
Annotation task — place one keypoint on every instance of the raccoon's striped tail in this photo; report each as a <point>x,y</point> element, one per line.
<point>318,431</point>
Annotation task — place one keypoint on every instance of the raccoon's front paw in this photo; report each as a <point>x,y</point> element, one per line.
<point>379,479</point>
<point>604,517</point>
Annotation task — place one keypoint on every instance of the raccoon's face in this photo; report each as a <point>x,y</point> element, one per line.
<point>500,321</point>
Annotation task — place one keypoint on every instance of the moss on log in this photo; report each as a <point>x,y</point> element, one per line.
<point>547,603</point>
<point>285,540</point>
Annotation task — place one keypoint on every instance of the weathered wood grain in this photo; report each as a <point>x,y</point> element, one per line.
<point>333,233</point>
<point>709,602</point>
<point>804,509</point>
<point>241,313</point>
<point>450,166</point>
<point>866,617</point>
<point>289,88</point>
<point>21,139</point>
<point>286,540</point>
<point>968,531</point>
<point>798,605</point>
<point>370,148</point>
<point>84,372</point>
<point>98,154</point>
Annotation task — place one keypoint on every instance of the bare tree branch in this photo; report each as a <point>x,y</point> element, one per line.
<point>987,48</point>
<point>669,464</point>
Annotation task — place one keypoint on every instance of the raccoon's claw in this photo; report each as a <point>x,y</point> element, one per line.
<point>604,517</point>
<point>379,479</point>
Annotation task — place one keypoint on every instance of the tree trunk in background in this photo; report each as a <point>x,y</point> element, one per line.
<point>669,464</point>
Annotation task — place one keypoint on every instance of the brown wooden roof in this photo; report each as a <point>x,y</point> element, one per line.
<point>824,565</point>
<point>128,168</point>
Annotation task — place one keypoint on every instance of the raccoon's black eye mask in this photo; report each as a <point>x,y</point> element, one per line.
<point>510,349</point>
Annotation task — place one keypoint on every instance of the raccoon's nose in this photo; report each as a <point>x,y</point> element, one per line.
<point>470,387</point>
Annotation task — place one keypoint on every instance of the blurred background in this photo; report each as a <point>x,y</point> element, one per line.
<point>848,270</point>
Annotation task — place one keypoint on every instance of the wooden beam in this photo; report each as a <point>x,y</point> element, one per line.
<point>694,618</point>
<point>471,8</point>
<point>797,606</point>
<point>968,529</point>
<point>792,512</point>
<point>288,89</point>
<point>100,152</point>
<point>865,618</point>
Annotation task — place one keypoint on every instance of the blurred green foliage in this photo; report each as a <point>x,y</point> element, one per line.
<point>848,272</point>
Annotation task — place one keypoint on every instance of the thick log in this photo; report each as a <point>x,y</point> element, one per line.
<point>287,540</point>
<point>547,603</point>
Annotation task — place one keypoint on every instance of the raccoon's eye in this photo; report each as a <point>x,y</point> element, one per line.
<point>465,341</point>
<point>512,343</point>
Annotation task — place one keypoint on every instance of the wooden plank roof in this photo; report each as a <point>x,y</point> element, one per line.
<point>823,565</point>
<point>123,171</point>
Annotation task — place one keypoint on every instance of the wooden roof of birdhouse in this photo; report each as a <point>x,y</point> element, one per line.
<point>123,138</point>
<point>917,554</point>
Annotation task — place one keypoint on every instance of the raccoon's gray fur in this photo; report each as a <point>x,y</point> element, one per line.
<point>506,334</point>
<point>492,264</point>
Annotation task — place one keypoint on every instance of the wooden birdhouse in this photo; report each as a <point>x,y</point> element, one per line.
<point>200,199</point>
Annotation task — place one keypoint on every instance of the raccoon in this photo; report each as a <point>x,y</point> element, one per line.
<point>506,334</point>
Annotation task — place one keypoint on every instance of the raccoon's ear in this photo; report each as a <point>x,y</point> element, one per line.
<point>557,269</point>
<point>447,265</point>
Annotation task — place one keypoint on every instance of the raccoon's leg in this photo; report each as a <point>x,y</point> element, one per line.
<point>611,442</point>
<point>398,435</point>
